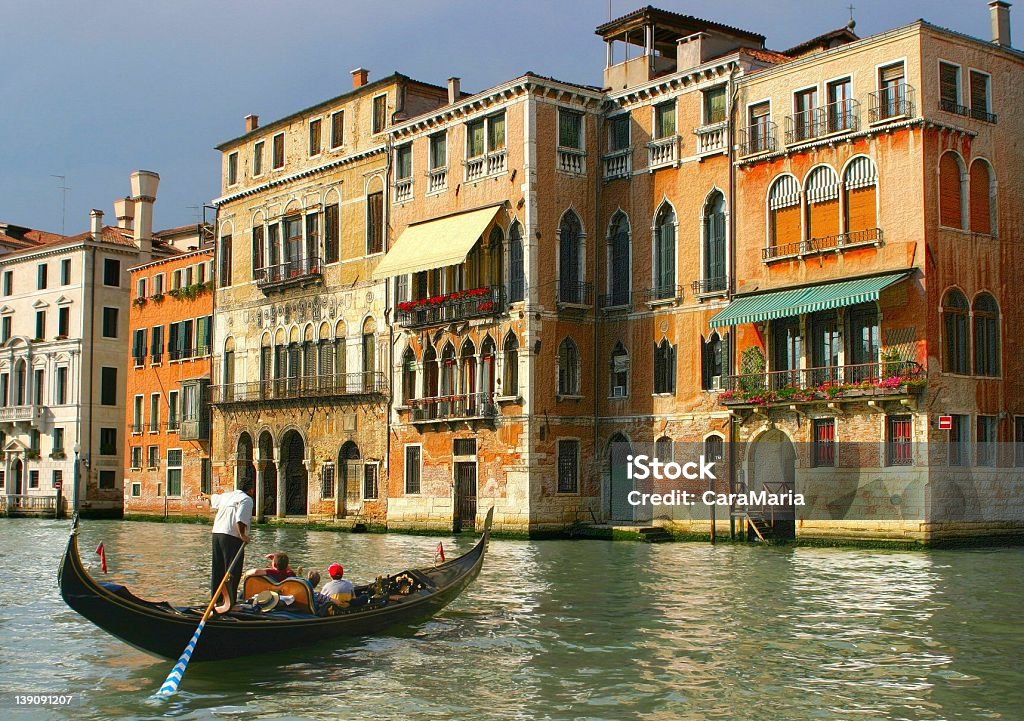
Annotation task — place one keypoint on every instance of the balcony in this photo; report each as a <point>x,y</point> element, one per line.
<point>710,286</point>
<point>826,383</point>
<point>452,408</point>
<point>575,293</point>
<point>618,164</point>
<point>759,138</point>
<point>663,294</point>
<point>892,103</point>
<point>829,243</point>
<point>572,161</point>
<point>181,354</point>
<point>484,166</point>
<point>663,152</point>
<point>437,180</point>
<point>617,299</point>
<point>456,306</point>
<point>838,117</point>
<point>19,414</point>
<point>403,190</point>
<point>318,386</point>
<point>297,272</point>
<point>194,429</point>
<point>712,138</point>
<point>951,106</point>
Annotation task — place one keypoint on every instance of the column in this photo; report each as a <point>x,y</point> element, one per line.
<point>260,496</point>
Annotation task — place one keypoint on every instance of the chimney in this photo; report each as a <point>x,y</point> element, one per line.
<point>251,122</point>
<point>360,76</point>
<point>144,185</point>
<point>1000,22</point>
<point>692,51</point>
<point>124,211</point>
<point>454,90</point>
<point>96,223</point>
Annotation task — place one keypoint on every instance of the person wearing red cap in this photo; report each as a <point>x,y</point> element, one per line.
<point>339,589</point>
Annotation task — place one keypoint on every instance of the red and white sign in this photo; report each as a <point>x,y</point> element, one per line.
<point>58,484</point>
<point>945,423</point>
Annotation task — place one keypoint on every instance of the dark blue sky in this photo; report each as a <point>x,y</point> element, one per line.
<point>94,90</point>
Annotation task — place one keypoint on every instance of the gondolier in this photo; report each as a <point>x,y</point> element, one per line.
<point>230,532</point>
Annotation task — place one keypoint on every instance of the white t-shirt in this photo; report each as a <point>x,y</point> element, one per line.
<point>233,507</point>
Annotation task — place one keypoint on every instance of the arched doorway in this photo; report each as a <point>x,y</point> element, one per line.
<point>619,484</point>
<point>772,468</point>
<point>269,474</point>
<point>349,499</point>
<point>295,474</point>
<point>17,475</point>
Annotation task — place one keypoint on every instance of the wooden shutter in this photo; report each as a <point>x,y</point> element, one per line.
<point>981,203</point>
<point>949,83</point>
<point>861,209</point>
<point>950,203</point>
<point>824,218</point>
<point>891,74</point>
<point>979,91</point>
<point>786,225</point>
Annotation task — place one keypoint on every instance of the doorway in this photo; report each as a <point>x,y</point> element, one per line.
<point>465,495</point>
<point>296,476</point>
<point>773,469</point>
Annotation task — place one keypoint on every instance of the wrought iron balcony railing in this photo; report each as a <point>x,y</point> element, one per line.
<point>453,407</point>
<point>293,272</point>
<point>619,298</point>
<point>313,386</point>
<point>451,307</point>
<point>812,384</point>
<point>660,293</point>
<point>575,293</point>
<point>891,103</point>
<point>759,138</point>
<point>709,286</point>
<point>836,243</point>
<point>951,106</point>
<point>839,117</point>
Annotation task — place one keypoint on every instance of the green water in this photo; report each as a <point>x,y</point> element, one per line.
<point>551,630</point>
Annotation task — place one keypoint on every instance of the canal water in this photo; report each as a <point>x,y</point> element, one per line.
<point>550,630</point>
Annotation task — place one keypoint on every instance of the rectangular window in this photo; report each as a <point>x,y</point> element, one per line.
<point>327,476</point>
<point>174,471</point>
<point>403,162</point>
<point>110,322</point>
<point>278,150</point>
<point>338,129</point>
<point>112,272</point>
<point>380,113</point>
<point>158,284</point>
<point>370,484</point>
<point>8,282</point>
<point>108,386</point>
<point>714,105</point>
<point>65,271</point>
<point>987,433</point>
<point>233,168</point>
<point>805,110</point>
<point>136,463</point>
<point>225,261</point>
<point>61,386</point>
<point>153,457</point>
<point>63,321</point>
<point>33,479</point>
<point>57,479</point>
<point>58,442</point>
<point>618,132</point>
<point>949,87</point>
<point>137,414</point>
<point>496,132</point>
<point>839,113</point>
<point>108,441</point>
<point>108,480</point>
<point>1018,441</point>
<point>139,346</point>
<point>157,346</point>
<point>664,368</point>
<point>314,137</point>
<point>824,444</point>
<point>475,136</point>
<point>332,234</point>
<point>33,439</point>
<point>154,412</point>
<point>37,386</point>
<point>959,445</point>
<point>136,490</point>
<point>568,466</point>
<point>140,288</point>
<point>205,476</point>
<point>412,469</point>
<point>899,451</point>
<point>664,120</point>
<point>258,261</point>
<point>172,410</point>
<point>438,151</point>
<point>257,158</point>
<point>5,329</point>
<point>3,479</point>
<point>5,392</point>
<point>570,129</point>
<point>40,324</point>
<point>375,223</point>
<point>980,95</point>
<point>41,276</point>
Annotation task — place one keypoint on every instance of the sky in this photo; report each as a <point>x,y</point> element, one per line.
<point>94,90</point>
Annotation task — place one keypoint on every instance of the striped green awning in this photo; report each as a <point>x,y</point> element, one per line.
<point>787,303</point>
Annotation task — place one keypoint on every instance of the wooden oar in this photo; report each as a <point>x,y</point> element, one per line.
<point>170,686</point>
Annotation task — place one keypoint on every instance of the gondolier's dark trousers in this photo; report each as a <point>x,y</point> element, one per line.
<point>225,546</point>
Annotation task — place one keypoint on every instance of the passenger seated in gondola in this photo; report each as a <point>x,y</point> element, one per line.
<point>278,570</point>
<point>339,590</point>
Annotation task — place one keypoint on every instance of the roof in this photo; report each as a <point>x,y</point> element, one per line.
<point>109,234</point>
<point>768,56</point>
<point>686,23</point>
<point>531,74</point>
<point>19,236</point>
<point>825,41</point>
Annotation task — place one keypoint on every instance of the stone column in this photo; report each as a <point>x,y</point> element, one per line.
<point>282,477</point>
<point>260,496</point>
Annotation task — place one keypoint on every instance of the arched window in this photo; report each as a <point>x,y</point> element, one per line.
<point>665,253</point>
<point>516,268</point>
<point>568,368</point>
<point>448,369</point>
<point>714,450</point>
<point>496,258</point>
<point>487,356</point>
<point>784,232</point>
<point>430,373</point>
<point>340,356</point>
<point>986,336</point>
<point>619,270</point>
<point>408,376</point>
<point>982,192</point>
<point>619,372</point>
<point>860,185</point>
<point>664,367</point>
<point>714,359</point>
<point>571,288</point>
<point>369,354</point>
<point>951,196</point>
<point>20,379</point>
<point>664,449</point>
<point>954,325</point>
<point>822,191</point>
<point>714,279</point>
<point>467,371</point>
<point>510,383</point>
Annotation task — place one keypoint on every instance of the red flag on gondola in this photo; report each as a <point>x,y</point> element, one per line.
<point>440,551</point>
<point>102,551</point>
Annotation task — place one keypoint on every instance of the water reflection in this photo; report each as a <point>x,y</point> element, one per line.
<point>555,630</point>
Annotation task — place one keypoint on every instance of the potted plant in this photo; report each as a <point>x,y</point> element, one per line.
<point>140,301</point>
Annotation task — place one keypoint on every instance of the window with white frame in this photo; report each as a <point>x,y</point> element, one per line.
<point>174,461</point>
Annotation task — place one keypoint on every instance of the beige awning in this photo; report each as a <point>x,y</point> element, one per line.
<point>435,243</point>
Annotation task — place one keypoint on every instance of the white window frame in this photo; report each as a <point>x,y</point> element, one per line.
<point>180,469</point>
<point>988,88</point>
<point>258,149</point>
<point>284,152</point>
<point>309,130</point>
<point>232,158</point>
<point>959,79</point>
<point>332,116</point>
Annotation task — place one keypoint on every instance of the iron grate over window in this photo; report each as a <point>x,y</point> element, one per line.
<point>464,447</point>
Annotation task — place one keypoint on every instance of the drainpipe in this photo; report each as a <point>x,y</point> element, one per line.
<point>733,346</point>
<point>597,352</point>
<point>388,291</point>
<point>92,328</point>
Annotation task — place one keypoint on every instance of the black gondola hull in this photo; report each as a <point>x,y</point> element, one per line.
<point>162,630</point>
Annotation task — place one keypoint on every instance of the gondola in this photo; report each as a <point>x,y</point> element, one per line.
<point>163,630</point>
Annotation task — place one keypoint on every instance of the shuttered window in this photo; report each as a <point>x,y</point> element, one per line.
<point>986,336</point>
<point>950,192</point>
<point>949,85</point>
<point>979,91</point>
<point>861,212</point>
<point>258,259</point>
<point>786,225</point>
<point>374,223</point>
<point>981,202</point>
<point>954,327</point>
<point>331,233</point>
